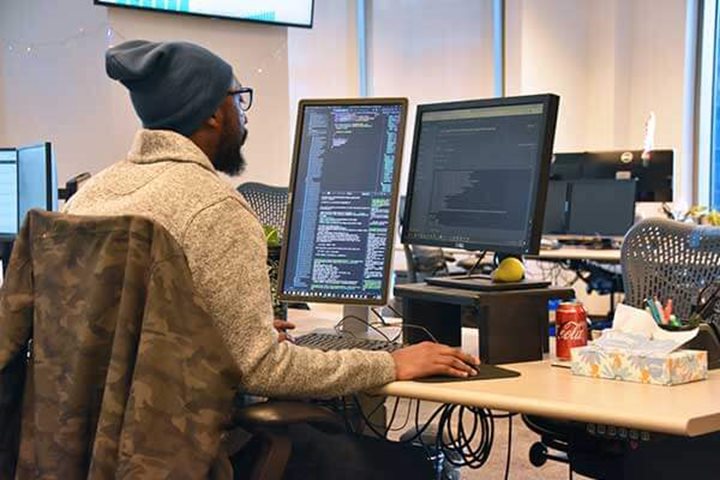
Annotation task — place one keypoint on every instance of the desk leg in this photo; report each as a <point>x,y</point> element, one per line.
<point>441,319</point>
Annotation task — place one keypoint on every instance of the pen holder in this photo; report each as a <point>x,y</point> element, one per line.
<point>676,328</point>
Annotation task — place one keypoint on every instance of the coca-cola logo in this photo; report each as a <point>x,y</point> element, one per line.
<point>572,331</point>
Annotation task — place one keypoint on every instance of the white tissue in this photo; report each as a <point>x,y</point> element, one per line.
<point>635,331</point>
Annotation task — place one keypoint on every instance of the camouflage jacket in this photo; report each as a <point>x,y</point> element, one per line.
<point>127,375</point>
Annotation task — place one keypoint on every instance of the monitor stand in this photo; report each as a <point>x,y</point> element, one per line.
<point>484,283</point>
<point>356,320</point>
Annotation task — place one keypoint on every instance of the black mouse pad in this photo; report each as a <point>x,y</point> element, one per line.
<point>485,372</point>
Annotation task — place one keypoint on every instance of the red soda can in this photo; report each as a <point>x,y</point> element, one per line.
<point>571,329</point>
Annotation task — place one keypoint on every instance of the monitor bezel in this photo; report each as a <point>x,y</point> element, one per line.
<point>550,105</point>
<point>105,3</point>
<point>48,176</point>
<point>394,197</point>
<point>7,236</point>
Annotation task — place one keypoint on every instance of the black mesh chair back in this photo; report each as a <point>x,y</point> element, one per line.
<point>268,202</point>
<point>667,259</point>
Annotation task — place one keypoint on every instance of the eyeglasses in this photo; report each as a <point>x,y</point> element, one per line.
<point>245,94</point>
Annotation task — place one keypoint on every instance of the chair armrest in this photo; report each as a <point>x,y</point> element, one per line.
<point>278,414</point>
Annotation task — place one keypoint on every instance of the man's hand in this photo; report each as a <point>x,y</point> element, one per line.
<point>282,327</point>
<point>427,359</point>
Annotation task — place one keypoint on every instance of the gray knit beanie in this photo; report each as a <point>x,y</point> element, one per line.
<point>173,85</point>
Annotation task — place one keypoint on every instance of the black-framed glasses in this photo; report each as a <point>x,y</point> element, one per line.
<point>245,94</point>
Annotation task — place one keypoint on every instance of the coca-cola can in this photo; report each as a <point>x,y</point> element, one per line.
<point>571,328</point>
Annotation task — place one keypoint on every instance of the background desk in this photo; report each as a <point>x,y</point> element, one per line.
<point>687,410</point>
<point>578,253</point>
<point>512,325</point>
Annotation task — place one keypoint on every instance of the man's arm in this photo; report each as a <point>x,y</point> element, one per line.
<point>226,252</point>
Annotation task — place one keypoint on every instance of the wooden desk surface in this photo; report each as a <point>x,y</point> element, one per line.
<point>576,253</point>
<point>690,410</point>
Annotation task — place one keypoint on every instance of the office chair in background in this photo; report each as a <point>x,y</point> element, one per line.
<point>425,262</point>
<point>270,205</point>
<point>73,185</point>
<point>268,202</point>
<point>659,258</point>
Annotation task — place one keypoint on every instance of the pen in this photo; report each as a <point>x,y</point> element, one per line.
<point>653,310</point>
<point>660,311</point>
<point>668,309</point>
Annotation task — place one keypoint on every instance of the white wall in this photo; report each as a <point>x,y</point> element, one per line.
<point>612,62</point>
<point>59,91</point>
<point>430,51</point>
<point>323,61</point>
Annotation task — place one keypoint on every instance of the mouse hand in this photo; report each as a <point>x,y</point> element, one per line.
<point>428,359</point>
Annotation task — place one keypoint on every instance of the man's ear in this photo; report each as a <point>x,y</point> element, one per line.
<point>215,120</point>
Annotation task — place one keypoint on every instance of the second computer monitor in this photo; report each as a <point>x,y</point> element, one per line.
<point>653,170</point>
<point>604,208</point>
<point>28,179</point>
<point>478,174</point>
<point>344,184</point>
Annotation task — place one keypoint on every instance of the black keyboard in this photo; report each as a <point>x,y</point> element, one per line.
<point>329,341</point>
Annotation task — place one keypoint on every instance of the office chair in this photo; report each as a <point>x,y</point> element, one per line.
<point>73,185</point>
<point>659,258</point>
<point>268,202</point>
<point>270,205</point>
<point>425,262</point>
<point>128,356</point>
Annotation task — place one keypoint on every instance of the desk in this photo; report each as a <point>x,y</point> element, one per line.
<point>512,325</point>
<point>687,410</point>
<point>578,253</point>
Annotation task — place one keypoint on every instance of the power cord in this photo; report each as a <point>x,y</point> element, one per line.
<point>405,325</point>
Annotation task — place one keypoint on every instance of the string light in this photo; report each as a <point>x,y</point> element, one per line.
<point>19,47</point>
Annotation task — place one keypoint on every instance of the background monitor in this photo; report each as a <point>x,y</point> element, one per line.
<point>282,12</point>
<point>36,179</point>
<point>603,208</point>
<point>654,174</point>
<point>478,174</point>
<point>8,194</point>
<point>556,206</point>
<point>337,245</point>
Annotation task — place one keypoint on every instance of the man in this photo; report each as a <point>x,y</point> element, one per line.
<point>193,113</point>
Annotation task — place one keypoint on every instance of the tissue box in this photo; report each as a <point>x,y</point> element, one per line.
<point>680,366</point>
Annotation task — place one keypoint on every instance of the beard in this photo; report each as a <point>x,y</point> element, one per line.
<point>230,159</point>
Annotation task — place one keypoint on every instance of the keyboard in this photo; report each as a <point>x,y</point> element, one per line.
<point>328,341</point>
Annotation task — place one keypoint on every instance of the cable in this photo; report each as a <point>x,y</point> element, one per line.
<point>509,448</point>
<point>361,320</point>
<point>431,337</point>
<point>392,309</point>
<point>476,264</point>
<point>410,325</point>
<point>379,315</point>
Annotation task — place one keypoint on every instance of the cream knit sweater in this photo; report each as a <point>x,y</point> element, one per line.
<point>168,179</point>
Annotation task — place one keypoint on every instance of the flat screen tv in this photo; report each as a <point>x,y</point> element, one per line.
<point>295,13</point>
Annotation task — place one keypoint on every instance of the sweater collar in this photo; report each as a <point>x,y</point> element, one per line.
<point>152,146</point>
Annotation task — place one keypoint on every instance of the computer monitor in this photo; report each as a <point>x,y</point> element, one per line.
<point>604,208</point>
<point>479,173</point>
<point>36,179</point>
<point>653,172</point>
<point>8,194</point>
<point>556,206</point>
<point>337,245</point>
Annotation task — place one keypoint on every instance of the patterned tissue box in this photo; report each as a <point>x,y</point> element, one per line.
<point>681,366</point>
